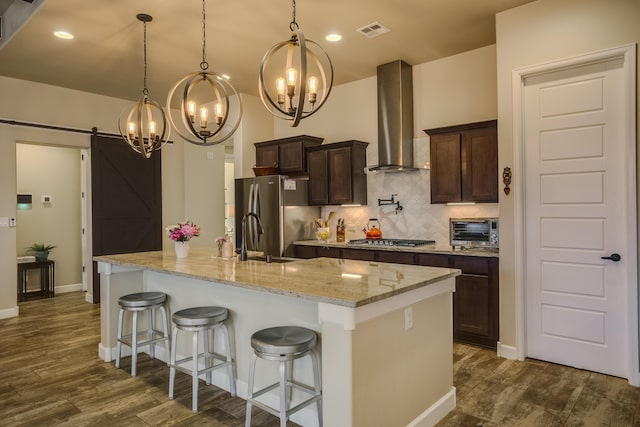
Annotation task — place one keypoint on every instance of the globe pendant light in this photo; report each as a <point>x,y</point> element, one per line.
<point>307,72</point>
<point>205,94</point>
<point>136,124</point>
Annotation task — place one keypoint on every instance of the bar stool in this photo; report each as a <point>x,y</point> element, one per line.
<point>200,319</point>
<point>134,303</point>
<point>284,344</point>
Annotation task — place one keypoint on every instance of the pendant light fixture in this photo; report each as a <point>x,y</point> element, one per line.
<point>301,85</point>
<point>205,95</point>
<point>137,125</point>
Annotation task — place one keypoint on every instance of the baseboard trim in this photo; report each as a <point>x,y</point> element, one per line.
<point>437,411</point>
<point>9,312</point>
<point>88,297</point>
<point>68,288</point>
<point>507,351</point>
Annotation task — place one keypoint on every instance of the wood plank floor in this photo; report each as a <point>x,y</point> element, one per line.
<point>50,375</point>
<point>493,391</point>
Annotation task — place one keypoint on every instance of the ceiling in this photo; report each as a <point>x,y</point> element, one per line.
<point>105,57</point>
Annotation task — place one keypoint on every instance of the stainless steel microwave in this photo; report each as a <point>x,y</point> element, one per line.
<point>474,233</point>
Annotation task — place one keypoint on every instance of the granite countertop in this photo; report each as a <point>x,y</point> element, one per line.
<point>348,283</point>
<point>426,249</point>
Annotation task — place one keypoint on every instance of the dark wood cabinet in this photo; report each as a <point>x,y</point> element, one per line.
<point>318,186</point>
<point>361,254</point>
<point>464,163</point>
<point>476,301</point>
<point>336,173</point>
<point>433,260</point>
<point>305,252</point>
<point>327,252</point>
<point>476,318</point>
<point>266,154</point>
<point>287,153</point>
<point>397,257</point>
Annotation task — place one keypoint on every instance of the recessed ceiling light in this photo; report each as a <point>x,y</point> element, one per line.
<point>63,35</point>
<point>333,37</point>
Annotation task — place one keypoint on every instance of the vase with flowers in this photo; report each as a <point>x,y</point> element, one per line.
<point>181,233</point>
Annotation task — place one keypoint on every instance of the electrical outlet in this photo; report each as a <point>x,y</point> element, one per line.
<point>12,221</point>
<point>408,318</point>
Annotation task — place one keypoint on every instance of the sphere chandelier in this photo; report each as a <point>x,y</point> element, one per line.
<point>136,124</point>
<point>308,72</point>
<point>205,94</point>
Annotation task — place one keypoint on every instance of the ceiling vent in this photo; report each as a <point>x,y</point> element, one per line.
<point>373,30</point>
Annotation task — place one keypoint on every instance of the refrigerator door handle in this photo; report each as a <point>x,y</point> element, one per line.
<point>251,209</point>
<point>256,234</point>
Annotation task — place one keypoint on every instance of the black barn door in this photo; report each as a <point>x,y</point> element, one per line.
<point>126,206</point>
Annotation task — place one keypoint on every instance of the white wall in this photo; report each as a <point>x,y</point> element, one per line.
<point>54,171</point>
<point>535,33</point>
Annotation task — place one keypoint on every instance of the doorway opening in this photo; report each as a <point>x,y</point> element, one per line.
<point>53,176</point>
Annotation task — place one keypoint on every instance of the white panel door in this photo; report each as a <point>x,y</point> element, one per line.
<point>575,207</point>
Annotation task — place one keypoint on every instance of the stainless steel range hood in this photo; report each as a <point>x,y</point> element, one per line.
<point>395,118</point>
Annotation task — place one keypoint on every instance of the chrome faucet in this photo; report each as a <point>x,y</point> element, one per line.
<point>243,248</point>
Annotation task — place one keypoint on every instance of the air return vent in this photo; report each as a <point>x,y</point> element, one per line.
<point>373,30</point>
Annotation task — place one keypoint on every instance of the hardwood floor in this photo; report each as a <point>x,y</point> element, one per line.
<point>492,391</point>
<point>50,375</point>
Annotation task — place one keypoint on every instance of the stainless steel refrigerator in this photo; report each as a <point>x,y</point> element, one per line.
<point>281,205</point>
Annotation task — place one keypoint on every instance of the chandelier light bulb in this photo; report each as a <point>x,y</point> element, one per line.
<point>280,89</point>
<point>204,115</point>
<point>313,89</point>
<point>152,131</point>
<point>192,111</point>
<point>219,114</point>
<point>132,130</point>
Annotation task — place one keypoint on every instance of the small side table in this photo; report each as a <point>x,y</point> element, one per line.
<point>47,281</point>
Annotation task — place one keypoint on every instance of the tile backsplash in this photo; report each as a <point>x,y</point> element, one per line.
<point>418,219</point>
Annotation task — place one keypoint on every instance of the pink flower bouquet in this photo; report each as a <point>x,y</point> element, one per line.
<point>182,232</point>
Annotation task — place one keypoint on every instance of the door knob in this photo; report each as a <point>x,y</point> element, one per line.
<point>613,257</point>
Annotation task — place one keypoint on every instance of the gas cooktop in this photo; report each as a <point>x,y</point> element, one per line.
<point>392,242</point>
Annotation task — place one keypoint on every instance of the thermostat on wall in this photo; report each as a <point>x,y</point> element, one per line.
<point>45,198</point>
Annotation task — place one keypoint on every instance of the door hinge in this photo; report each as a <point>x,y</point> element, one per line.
<point>83,231</point>
<point>84,269</point>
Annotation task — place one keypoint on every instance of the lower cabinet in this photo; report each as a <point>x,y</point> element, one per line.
<point>475,301</point>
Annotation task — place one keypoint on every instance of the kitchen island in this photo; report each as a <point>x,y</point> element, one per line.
<point>385,329</point>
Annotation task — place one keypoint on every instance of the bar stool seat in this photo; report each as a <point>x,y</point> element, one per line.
<point>135,303</point>
<point>196,320</point>
<point>284,344</point>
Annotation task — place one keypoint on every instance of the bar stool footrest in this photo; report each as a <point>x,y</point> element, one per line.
<point>126,339</point>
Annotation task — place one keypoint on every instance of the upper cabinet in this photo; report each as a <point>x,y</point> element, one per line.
<point>464,163</point>
<point>336,173</point>
<point>287,153</point>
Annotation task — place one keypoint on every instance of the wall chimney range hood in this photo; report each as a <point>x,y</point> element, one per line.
<point>395,118</point>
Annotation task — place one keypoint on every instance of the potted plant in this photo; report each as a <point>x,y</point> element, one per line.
<point>40,250</point>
